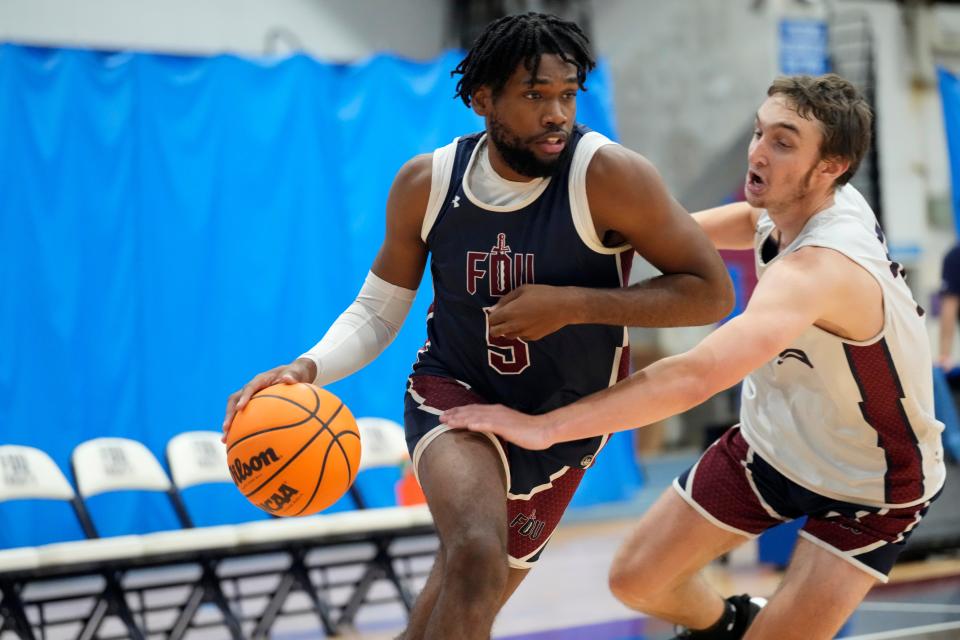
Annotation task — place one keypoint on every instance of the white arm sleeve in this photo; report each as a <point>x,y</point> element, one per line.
<point>363,331</point>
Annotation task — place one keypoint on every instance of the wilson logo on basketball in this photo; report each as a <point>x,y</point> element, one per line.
<point>242,470</point>
<point>280,499</point>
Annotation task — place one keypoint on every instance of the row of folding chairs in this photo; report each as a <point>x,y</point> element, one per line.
<point>194,517</point>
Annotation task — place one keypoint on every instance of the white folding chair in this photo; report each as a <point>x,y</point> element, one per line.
<point>26,473</point>
<point>199,459</point>
<point>104,465</point>
<point>29,473</point>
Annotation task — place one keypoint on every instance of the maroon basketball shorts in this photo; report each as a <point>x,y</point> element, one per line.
<point>737,490</point>
<point>540,484</point>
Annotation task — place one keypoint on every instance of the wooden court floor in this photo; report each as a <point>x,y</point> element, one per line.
<point>566,597</point>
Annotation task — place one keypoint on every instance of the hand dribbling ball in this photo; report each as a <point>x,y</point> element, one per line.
<point>294,450</point>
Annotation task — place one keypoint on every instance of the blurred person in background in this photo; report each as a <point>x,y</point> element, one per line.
<point>949,307</point>
<point>837,420</point>
<point>530,226</point>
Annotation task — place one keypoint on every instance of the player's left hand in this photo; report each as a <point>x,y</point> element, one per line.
<point>532,311</point>
<point>529,432</point>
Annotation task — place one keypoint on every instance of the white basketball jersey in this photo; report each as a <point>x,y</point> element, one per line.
<point>850,420</point>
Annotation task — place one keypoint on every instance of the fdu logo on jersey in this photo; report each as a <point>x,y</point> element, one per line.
<point>503,269</point>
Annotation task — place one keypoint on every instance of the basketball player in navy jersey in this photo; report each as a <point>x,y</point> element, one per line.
<point>837,419</point>
<point>530,226</point>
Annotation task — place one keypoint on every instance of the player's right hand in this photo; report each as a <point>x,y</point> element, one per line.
<point>300,370</point>
<point>529,432</point>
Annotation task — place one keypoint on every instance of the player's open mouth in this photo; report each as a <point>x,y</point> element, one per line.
<point>552,143</point>
<point>755,182</point>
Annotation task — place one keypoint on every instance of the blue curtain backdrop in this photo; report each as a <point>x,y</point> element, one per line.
<point>950,95</point>
<point>170,226</point>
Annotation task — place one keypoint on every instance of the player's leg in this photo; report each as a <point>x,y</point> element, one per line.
<point>419,617</point>
<point>541,485</point>
<point>712,508</point>
<point>657,569</point>
<point>843,550</point>
<point>463,480</point>
<point>423,607</point>
<point>514,578</point>
<point>818,593</point>
<point>450,485</point>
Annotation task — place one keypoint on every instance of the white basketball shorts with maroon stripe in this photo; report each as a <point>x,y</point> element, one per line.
<point>737,490</point>
<point>540,484</point>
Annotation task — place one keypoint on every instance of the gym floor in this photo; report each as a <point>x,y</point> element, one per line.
<point>566,596</point>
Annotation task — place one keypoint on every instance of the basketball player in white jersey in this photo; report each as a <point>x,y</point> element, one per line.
<point>837,418</point>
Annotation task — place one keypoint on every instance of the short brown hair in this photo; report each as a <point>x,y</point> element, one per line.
<point>845,118</point>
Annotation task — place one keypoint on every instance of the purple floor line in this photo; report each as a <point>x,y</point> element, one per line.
<point>632,629</point>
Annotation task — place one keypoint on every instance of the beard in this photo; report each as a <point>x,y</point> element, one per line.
<point>519,157</point>
<point>803,187</point>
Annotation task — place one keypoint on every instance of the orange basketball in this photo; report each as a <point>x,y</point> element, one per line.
<point>294,449</point>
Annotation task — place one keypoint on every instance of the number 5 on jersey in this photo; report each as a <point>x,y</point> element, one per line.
<point>508,356</point>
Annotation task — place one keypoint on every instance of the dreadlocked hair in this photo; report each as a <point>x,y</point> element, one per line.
<point>525,37</point>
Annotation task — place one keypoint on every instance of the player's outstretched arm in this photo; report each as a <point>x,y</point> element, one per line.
<point>371,323</point>
<point>731,226</point>
<point>789,298</point>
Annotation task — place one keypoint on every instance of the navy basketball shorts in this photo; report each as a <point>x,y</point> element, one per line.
<point>540,484</point>
<point>736,490</point>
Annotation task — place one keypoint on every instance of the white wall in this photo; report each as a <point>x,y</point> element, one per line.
<point>328,29</point>
<point>914,165</point>
<point>688,75</point>
<point>910,144</point>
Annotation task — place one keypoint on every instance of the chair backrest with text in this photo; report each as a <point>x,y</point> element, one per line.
<point>124,487</point>
<point>33,492</point>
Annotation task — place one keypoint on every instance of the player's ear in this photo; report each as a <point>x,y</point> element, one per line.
<point>481,100</point>
<point>834,167</point>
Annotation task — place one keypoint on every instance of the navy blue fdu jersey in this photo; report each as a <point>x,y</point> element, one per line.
<point>479,253</point>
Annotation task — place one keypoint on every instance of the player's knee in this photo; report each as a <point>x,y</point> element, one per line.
<point>630,586</point>
<point>477,560</point>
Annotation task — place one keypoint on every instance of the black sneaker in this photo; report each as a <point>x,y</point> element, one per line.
<point>747,610</point>
<point>740,612</point>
